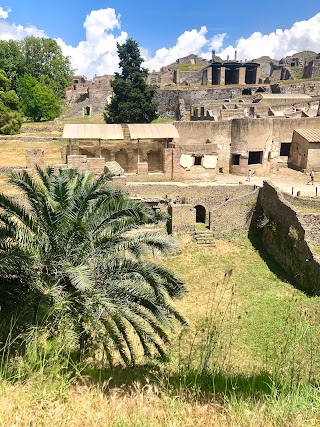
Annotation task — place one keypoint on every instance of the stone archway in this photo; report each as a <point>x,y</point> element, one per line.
<point>122,158</point>
<point>106,154</point>
<point>200,214</point>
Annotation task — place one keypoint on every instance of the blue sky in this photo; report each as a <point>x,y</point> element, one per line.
<point>88,30</point>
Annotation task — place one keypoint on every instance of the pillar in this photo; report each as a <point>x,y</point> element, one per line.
<point>242,75</point>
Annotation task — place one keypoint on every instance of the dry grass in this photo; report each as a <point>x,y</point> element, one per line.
<point>13,152</point>
<point>259,297</point>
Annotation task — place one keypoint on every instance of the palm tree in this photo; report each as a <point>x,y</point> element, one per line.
<point>70,264</point>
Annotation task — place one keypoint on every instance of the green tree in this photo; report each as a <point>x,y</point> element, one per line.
<point>45,62</point>
<point>38,101</point>
<point>12,61</point>
<point>10,117</point>
<point>70,267</point>
<point>10,120</point>
<point>133,98</point>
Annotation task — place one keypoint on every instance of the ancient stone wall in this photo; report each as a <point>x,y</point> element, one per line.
<point>218,133</point>
<point>288,237</point>
<point>169,99</point>
<point>234,214</point>
<point>208,196</point>
<point>304,203</point>
<point>182,218</point>
<point>311,88</point>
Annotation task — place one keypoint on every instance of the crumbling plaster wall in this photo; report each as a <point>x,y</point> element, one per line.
<point>234,214</point>
<point>209,196</point>
<point>182,218</point>
<point>264,135</point>
<point>218,133</point>
<point>289,237</point>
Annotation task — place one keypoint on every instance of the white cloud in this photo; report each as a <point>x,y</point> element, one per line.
<point>189,42</point>
<point>303,35</point>
<point>4,13</point>
<point>18,32</point>
<point>97,54</point>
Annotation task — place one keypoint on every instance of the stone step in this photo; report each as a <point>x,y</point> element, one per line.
<point>205,238</point>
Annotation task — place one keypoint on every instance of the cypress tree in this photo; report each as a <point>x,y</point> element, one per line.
<point>133,99</point>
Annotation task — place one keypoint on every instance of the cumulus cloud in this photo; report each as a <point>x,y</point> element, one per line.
<point>189,42</point>
<point>97,54</point>
<point>18,32</point>
<point>13,31</point>
<point>303,35</point>
<point>4,13</point>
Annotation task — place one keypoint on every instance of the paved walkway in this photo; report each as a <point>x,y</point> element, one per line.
<point>287,180</point>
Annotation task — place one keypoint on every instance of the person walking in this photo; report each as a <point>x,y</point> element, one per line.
<point>249,175</point>
<point>312,173</point>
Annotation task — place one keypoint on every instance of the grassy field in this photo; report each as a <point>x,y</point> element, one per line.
<point>250,357</point>
<point>13,154</point>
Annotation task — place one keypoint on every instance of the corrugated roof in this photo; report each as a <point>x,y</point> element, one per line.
<point>92,131</point>
<point>311,135</point>
<point>153,131</point>
<point>283,96</point>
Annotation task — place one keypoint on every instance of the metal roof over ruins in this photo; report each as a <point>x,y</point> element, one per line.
<point>92,131</point>
<point>283,96</point>
<point>115,131</point>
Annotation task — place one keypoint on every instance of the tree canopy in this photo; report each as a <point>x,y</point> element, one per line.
<point>38,101</point>
<point>71,269</point>
<point>10,116</point>
<point>36,69</point>
<point>133,99</point>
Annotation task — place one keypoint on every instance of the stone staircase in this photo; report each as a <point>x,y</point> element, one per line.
<point>205,238</point>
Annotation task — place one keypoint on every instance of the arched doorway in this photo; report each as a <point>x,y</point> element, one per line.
<point>200,214</point>
<point>106,154</point>
<point>122,158</point>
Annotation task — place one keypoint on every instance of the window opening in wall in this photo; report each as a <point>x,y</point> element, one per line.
<point>236,159</point>
<point>200,214</point>
<point>246,92</point>
<point>285,149</point>
<point>197,160</point>
<point>255,157</point>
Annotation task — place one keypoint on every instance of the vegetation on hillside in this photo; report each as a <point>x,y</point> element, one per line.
<point>132,100</point>
<point>10,115</point>
<point>35,70</point>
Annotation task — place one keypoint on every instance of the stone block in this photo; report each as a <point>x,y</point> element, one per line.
<point>114,169</point>
<point>35,157</point>
<point>142,168</point>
